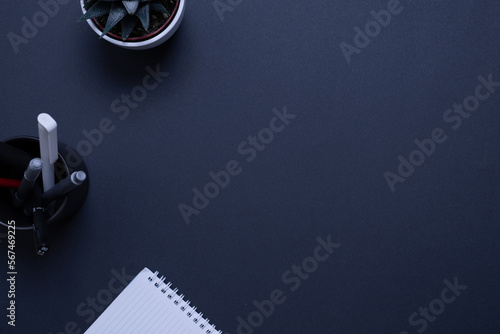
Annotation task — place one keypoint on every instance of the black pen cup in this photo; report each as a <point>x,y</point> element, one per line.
<point>69,161</point>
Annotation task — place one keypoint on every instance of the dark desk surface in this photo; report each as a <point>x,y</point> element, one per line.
<point>322,175</point>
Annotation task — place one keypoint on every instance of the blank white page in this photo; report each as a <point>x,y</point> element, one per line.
<point>144,306</point>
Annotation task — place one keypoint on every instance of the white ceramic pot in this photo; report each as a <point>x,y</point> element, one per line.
<point>150,42</point>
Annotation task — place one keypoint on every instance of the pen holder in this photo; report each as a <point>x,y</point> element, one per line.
<point>64,207</point>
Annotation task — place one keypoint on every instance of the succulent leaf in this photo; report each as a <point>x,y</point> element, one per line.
<point>116,13</point>
<point>99,9</point>
<point>128,24</point>
<point>143,15</point>
<point>89,4</point>
<point>131,6</point>
<point>159,7</point>
<point>128,12</point>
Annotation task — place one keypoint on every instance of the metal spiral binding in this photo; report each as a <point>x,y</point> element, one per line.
<point>197,317</point>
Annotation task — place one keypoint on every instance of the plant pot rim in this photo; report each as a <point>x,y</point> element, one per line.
<point>145,42</point>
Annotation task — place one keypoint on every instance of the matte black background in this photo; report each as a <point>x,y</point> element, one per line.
<point>322,175</point>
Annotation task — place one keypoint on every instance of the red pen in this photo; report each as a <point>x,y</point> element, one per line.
<point>9,183</point>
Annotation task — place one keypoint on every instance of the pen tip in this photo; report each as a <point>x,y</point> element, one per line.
<point>80,176</point>
<point>36,164</point>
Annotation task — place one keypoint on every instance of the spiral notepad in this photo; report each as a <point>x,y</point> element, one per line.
<point>149,305</point>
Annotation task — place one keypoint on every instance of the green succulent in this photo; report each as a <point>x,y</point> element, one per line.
<point>128,12</point>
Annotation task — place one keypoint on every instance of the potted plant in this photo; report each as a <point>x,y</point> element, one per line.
<point>134,24</point>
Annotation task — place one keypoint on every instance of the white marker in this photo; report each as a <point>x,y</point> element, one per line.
<point>47,131</point>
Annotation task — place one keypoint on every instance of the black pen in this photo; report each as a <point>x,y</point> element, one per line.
<point>30,176</point>
<point>39,221</point>
<point>63,187</point>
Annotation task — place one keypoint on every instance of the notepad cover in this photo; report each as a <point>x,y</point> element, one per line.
<point>148,305</point>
